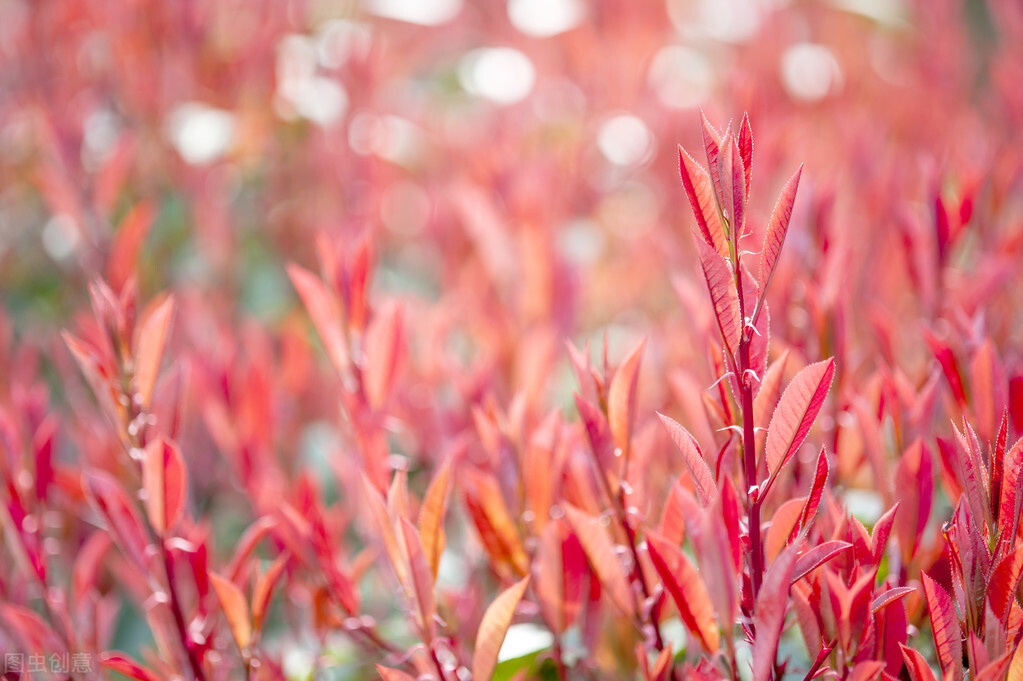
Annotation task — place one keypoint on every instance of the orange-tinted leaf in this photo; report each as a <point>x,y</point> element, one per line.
<point>391,674</point>
<point>721,285</point>
<point>700,191</point>
<point>597,545</point>
<point>431,516</point>
<point>264,588</point>
<point>235,608</point>
<point>820,479</point>
<point>703,478</point>
<point>621,398</point>
<point>384,347</point>
<point>796,411</point>
<point>989,388</point>
<point>384,524</point>
<point>777,228</point>
<point>165,479</point>
<point>422,579</point>
<point>128,240</point>
<point>497,529</point>
<point>493,627</point>
<point>945,627</point>
<point>150,337</point>
<point>687,589</point>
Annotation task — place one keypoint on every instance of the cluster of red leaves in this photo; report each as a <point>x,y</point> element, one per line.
<point>375,465</point>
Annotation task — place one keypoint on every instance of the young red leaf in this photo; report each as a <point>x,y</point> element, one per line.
<point>817,556</point>
<point>890,596</point>
<point>1010,496</point>
<point>737,209</point>
<point>700,191</point>
<point>603,559</point>
<point>687,589</point>
<point>150,337</point>
<point>745,141</point>
<point>989,388</point>
<point>769,614</point>
<point>621,398</point>
<point>945,628</point>
<point>493,627</point>
<point>235,608</point>
<point>699,471</point>
<point>721,285</point>
<point>165,480</point>
<point>796,411</point>
<point>1001,585</point>
<point>777,228</point>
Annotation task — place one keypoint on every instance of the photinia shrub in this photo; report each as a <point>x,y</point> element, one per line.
<point>351,341</point>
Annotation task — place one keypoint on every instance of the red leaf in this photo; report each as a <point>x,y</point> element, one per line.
<point>914,483</point>
<point>110,500</point>
<point>324,313</point>
<point>621,398</point>
<point>945,627</point>
<point>796,412</point>
<point>777,228</point>
<point>817,556</point>
<point>697,184</point>
<point>721,285</point>
<point>699,471</point>
<point>769,613</point>
<point>820,479</point>
<point>989,389</point>
<point>235,608</point>
<point>1001,586</point>
<point>493,627</point>
<point>605,563</point>
<point>687,589</point>
<point>746,151</point>
<point>918,668</point>
<point>890,596</point>
<point>738,188</point>
<point>165,480</point>
<point>1010,496</point>
<point>123,664</point>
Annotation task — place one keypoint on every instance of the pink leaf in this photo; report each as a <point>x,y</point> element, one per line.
<point>796,412</point>
<point>493,627</point>
<point>687,589</point>
<point>769,614</point>
<point>150,337</point>
<point>236,609</point>
<point>703,478</point>
<point>721,285</point>
<point>890,596</point>
<point>603,559</point>
<point>945,628</point>
<point>123,664</point>
<point>384,348</point>
<point>777,228</point>
<point>323,311</point>
<point>746,151</point>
